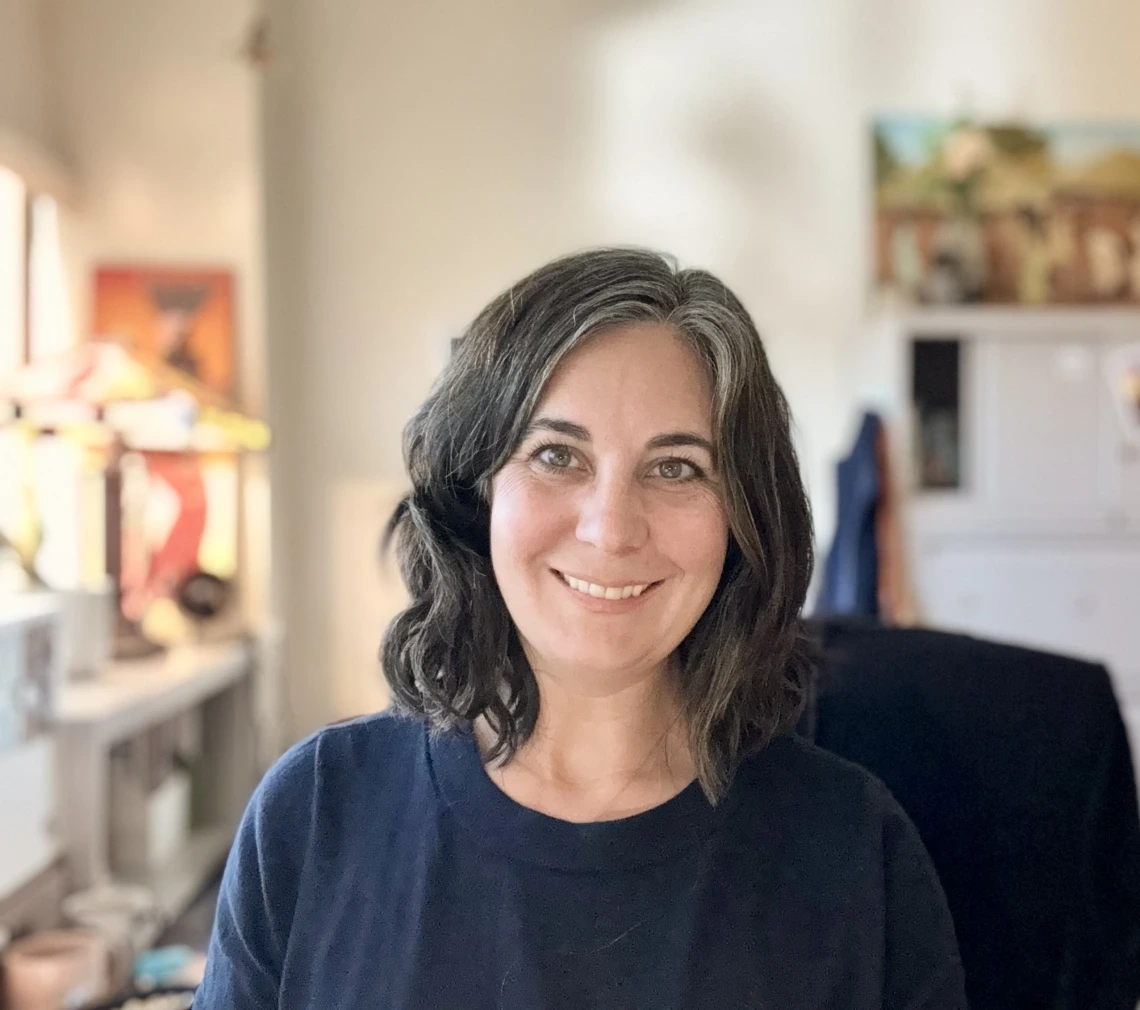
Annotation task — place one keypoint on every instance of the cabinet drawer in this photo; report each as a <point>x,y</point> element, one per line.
<point>1079,599</point>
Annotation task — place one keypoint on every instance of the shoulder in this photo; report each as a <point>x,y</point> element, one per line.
<point>836,829</point>
<point>320,797</point>
<point>380,738</point>
<point>814,799</point>
<point>849,841</point>
<point>370,752</point>
<point>802,771</point>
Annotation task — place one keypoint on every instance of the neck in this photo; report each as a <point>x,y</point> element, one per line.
<point>602,754</point>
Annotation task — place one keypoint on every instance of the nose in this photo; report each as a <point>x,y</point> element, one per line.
<point>612,517</point>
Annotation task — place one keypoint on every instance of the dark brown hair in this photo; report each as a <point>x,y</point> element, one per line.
<point>454,654</point>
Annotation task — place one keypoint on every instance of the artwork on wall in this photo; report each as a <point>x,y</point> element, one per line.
<point>182,319</point>
<point>1006,213</point>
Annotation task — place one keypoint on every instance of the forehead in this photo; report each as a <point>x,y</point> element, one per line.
<point>642,371</point>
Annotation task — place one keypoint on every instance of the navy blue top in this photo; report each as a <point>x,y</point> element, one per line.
<point>378,866</point>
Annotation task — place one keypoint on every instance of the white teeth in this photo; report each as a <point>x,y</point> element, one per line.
<point>604,592</point>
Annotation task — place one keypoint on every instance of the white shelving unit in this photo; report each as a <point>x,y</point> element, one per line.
<point>130,696</point>
<point>126,699</point>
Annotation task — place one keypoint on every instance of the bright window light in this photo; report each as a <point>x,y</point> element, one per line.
<point>13,276</point>
<point>49,332</point>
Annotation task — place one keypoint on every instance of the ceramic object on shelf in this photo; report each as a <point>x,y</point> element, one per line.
<point>56,968</point>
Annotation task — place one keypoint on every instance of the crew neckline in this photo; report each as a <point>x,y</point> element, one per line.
<point>518,832</point>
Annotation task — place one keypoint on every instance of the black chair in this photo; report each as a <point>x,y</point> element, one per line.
<point>1015,767</point>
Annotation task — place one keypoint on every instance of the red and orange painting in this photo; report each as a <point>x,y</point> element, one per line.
<point>183,318</point>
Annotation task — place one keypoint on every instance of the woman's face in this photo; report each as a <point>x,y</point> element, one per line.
<point>607,533</point>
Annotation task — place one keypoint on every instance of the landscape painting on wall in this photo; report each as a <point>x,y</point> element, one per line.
<point>1006,213</point>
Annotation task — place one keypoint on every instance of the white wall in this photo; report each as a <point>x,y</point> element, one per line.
<point>419,157</point>
<point>28,135</point>
<point>24,106</point>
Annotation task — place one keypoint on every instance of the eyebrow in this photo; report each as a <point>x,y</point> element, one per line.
<point>557,424</point>
<point>681,438</point>
<point>673,439</point>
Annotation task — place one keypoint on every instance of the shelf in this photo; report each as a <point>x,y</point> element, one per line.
<point>1059,322</point>
<point>127,697</point>
<point>16,608</point>
<point>180,881</point>
<point>124,700</point>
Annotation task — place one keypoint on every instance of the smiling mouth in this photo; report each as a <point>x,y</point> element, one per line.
<point>600,592</point>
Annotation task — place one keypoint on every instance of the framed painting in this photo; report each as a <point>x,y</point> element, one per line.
<point>175,318</point>
<point>1006,213</point>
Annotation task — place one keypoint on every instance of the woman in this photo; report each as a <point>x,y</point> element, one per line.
<point>589,795</point>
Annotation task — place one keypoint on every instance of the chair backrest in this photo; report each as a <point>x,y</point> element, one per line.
<point>1014,766</point>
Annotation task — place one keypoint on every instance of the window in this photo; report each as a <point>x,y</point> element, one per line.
<point>40,509</point>
<point>13,271</point>
<point>34,315</point>
<point>48,330</point>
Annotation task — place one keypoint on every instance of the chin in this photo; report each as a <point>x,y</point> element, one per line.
<point>601,665</point>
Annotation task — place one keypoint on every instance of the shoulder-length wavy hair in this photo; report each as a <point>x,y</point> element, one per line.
<point>454,655</point>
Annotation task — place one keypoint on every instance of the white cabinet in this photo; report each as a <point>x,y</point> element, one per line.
<point>1046,434</point>
<point>28,844</point>
<point>1129,456</point>
<point>30,671</point>
<point>1082,599</point>
<point>1040,543</point>
<point>1043,447</point>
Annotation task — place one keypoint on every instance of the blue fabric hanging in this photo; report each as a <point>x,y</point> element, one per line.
<point>851,572</point>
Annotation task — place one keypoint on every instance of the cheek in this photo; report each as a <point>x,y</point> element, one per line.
<point>697,540</point>
<point>525,522</point>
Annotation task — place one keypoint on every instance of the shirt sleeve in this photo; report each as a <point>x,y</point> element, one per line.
<point>922,968</point>
<point>258,897</point>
